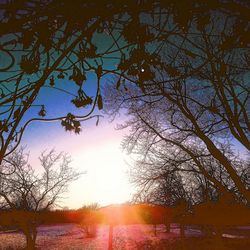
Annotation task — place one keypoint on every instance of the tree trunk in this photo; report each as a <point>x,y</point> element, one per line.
<point>212,148</point>
<point>167,226</point>
<point>155,229</point>
<point>30,242</point>
<point>110,246</point>
<point>182,230</point>
<point>30,238</point>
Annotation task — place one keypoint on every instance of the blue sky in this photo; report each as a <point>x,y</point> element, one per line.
<point>96,149</point>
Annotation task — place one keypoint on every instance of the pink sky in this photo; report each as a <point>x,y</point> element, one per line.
<point>96,150</point>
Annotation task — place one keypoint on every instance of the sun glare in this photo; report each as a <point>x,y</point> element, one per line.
<point>97,152</point>
<point>106,181</point>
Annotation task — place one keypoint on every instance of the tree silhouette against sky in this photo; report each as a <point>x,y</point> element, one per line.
<point>26,192</point>
<point>194,55</point>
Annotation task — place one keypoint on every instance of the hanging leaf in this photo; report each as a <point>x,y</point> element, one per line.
<point>42,112</point>
<point>16,113</point>
<point>77,76</point>
<point>71,124</point>
<point>3,126</point>
<point>129,32</point>
<point>100,102</point>
<point>60,75</point>
<point>82,99</point>
<point>77,130</point>
<point>132,70</point>
<point>76,123</point>
<point>52,81</point>
<point>97,121</point>
<point>30,64</point>
<point>91,52</point>
<point>118,83</point>
<point>125,88</point>
<point>26,102</point>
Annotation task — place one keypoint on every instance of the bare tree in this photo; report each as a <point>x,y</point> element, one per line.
<point>193,57</point>
<point>196,88</point>
<point>90,219</point>
<point>166,138</point>
<point>29,190</point>
<point>46,43</point>
<point>196,92</point>
<point>164,172</point>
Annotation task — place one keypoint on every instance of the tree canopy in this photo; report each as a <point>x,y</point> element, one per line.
<point>193,56</point>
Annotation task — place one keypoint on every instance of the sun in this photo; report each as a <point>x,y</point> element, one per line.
<point>106,180</point>
<point>96,151</point>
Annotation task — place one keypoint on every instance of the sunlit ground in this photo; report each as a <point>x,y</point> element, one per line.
<point>70,236</point>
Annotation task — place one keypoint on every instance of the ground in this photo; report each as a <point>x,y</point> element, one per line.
<point>72,237</point>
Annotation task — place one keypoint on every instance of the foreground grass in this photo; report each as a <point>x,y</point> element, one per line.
<point>208,244</point>
<point>138,237</point>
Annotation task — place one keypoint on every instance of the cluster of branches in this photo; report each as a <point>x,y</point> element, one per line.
<point>184,134</point>
<point>25,192</point>
<point>190,111</point>
<point>181,69</point>
<point>25,189</point>
<point>46,43</point>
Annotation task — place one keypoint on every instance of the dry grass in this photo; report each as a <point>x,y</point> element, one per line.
<point>141,237</point>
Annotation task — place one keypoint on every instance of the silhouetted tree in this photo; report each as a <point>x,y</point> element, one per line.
<point>164,174</point>
<point>90,219</point>
<point>45,44</point>
<point>171,154</point>
<point>195,92</point>
<point>27,192</point>
<point>181,68</point>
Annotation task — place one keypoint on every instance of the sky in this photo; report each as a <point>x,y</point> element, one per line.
<point>96,150</point>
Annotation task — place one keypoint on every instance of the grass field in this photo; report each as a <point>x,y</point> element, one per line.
<point>71,236</point>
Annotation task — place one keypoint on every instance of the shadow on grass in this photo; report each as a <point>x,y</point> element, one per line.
<point>198,244</point>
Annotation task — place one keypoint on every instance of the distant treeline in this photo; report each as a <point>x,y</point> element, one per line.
<point>42,217</point>
<point>132,214</point>
<point>122,214</point>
